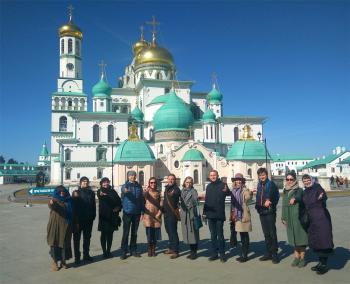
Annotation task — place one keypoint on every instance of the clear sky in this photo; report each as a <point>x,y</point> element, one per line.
<point>288,60</point>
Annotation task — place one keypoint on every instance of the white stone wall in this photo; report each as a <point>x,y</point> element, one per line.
<point>201,103</point>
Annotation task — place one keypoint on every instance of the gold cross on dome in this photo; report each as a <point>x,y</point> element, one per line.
<point>142,29</point>
<point>154,23</point>
<point>70,12</point>
<point>103,67</point>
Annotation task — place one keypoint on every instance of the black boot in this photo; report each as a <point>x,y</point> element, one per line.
<point>233,237</point>
<point>323,268</point>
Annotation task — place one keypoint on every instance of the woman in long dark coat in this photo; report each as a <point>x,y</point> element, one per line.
<point>109,220</point>
<point>188,205</point>
<point>59,227</point>
<point>292,204</point>
<point>320,228</point>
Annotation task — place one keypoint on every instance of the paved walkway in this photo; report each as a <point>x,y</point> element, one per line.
<point>24,255</point>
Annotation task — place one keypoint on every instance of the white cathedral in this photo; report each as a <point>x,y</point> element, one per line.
<point>150,122</point>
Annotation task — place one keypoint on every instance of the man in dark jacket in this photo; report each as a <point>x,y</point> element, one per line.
<point>172,195</point>
<point>267,197</point>
<point>214,212</point>
<point>133,208</point>
<point>84,208</point>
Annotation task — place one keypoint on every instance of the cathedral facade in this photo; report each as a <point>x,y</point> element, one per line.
<point>150,122</point>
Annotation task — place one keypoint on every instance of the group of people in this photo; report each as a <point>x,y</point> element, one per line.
<point>339,181</point>
<point>304,214</point>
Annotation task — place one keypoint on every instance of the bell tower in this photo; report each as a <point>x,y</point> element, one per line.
<point>70,39</point>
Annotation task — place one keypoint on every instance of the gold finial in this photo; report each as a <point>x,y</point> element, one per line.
<point>247,135</point>
<point>133,133</point>
<point>70,13</point>
<point>103,69</point>
<point>154,23</point>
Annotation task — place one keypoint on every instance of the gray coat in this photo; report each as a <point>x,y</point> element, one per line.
<point>188,209</point>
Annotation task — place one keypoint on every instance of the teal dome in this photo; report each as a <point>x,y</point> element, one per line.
<point>102,89</point>
<point>247,150</point>
<point>137,114</point>
<point>214,96</point>
<point>162,99</point>
<point>173,115</point>
<point>134,151</point>
<point>193,155</point>
<point>44,151</point>
<point>209,116</point>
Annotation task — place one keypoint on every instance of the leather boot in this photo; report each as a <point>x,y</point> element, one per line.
<point>153,250</point>
<point>54,266</point>
<point>150,249</point>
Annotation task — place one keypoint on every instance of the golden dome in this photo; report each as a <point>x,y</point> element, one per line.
<point>70,30</point>
<point>154,55</point>
<point>139,45</point>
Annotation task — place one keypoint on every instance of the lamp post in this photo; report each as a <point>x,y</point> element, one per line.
<point>264,141</point>
<point>117,140</point>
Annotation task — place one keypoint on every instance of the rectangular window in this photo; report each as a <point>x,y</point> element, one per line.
<point>78,175</point>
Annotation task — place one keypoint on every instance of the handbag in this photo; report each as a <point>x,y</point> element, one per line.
<point>197,220</point>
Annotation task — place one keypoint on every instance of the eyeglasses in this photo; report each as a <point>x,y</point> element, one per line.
<point>289,179</point>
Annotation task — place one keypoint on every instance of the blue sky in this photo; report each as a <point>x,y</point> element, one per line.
<point>288,60</point>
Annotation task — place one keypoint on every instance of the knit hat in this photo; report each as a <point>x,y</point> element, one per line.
<point>293,174</point>
<point>105,179</point>
<point>131,173</point>
<point>83,179</point>
<point>238,176</point>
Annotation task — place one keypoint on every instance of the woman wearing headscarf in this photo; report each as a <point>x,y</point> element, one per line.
<point>292,205</point>
<point>320,229</point>
<point>59,227</point>
<point>152,218</point>
<point>109,220</point>
<point>188,206</point>
<point>240,215</point>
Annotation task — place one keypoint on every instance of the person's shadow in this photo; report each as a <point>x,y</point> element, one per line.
<point>336,261</point>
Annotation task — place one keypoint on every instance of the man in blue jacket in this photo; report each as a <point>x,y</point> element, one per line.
<point>133,208</point>
<point>214,211</point>
<point>267,197</point>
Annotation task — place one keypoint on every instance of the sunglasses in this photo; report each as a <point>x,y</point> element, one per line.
<point>152,182</point>
<point>289,179</point>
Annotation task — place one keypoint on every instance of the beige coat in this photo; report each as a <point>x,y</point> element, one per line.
<point>153,215</point>
<point>245,225</point>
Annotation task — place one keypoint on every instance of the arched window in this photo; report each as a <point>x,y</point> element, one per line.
<point>176,164</point>
<point>235,134</point>
<point>151,134</point>
<point>110,133</point>
<point>141,178</point>
<point>195,177</point>
<point>161,149</point>
<point>159,76</point>
<point>206,132</point>
<point>250,173</point>
<point>68,174</point>
<point>62,46</point>
<point>63,124</point>
<point>211,132</point>
<point>67,155</point>
<point>70,103</point>
<point>99,173</point>
<point>95,133</point>
<point>77,48</point>
<point>70,45</point>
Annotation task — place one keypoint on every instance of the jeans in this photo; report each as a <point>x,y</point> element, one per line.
<point>170,223</point>
<point>216,228</point>
<point>268,224</point>
<point>86,229</point>
<point>133,221</point>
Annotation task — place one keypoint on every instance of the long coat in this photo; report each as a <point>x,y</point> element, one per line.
<point>108,219</point>
<point>290,214</point>
<point>59,231</point>
<point>152,217</point>
<point>320,229</point>
<point>188,205</point>
<point>244,225</point>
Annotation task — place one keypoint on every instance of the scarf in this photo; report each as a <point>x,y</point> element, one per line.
<point>237,202</point>
<point>66,200</point>
<point>186,195</point>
